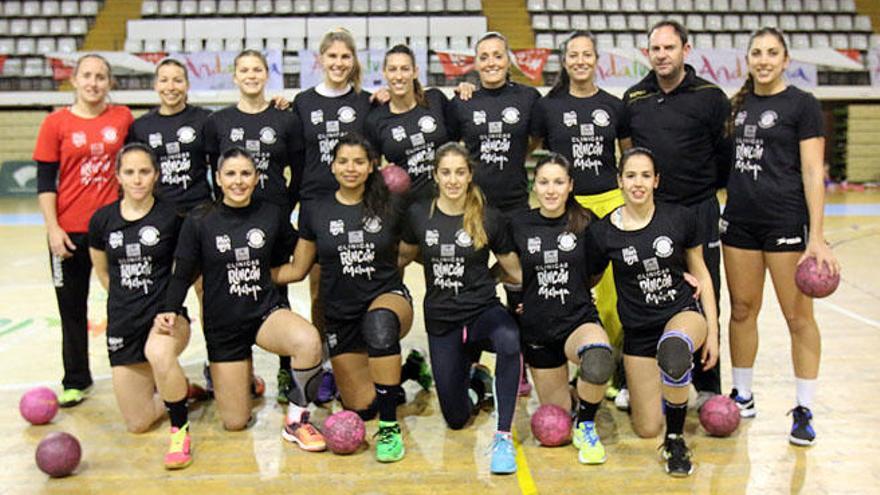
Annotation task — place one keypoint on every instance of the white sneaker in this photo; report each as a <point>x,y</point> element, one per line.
<point>622,400</point>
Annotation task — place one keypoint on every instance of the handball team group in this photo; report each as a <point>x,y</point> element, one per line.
<point>615,273</point>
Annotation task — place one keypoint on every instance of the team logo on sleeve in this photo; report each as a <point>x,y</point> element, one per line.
<point>155,139</point>
<point>533,244</point>
<point>223,243</point>
<point>337,227</point>
<point>115,239</point>
<point>566,241</point>
<point>256,238</point>
<point>510,115</point>
<point>267,135</point>
<point>768,119</point>
<point>740,117</point>
<point>663,246</point>
<point>479,117</point>
<point>427,124</point>
<point>463,239</point>
<point>79,139</point>
<point>373,225</point>
<point>630,255</point>
<point>570,119</point>
<point>398,133</point>
<point>186,134</point>
<point>432,237</point>
<point>148,235</point>
<point>317,117</point>
<point>651,265</point>
<point>109,135</point>
<point>346,114</point>
<point>236,134</point>
<point>601,117</point>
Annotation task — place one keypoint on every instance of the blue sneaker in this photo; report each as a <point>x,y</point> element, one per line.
<point>802,432</point>
<point>747,407</point>
<point>503,454</point>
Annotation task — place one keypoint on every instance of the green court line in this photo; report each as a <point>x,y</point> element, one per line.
<point>17,326</point>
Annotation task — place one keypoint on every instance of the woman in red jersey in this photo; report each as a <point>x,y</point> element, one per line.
<point>75,177</point>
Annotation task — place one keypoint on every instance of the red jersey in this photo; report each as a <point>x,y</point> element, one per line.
<point>85,150</point>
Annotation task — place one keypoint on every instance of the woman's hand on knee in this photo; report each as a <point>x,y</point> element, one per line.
<point>164,323</point>
<point>709,356</point>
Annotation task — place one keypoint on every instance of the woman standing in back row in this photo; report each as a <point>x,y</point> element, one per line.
<point>75,176</point>
<point>773,220</point>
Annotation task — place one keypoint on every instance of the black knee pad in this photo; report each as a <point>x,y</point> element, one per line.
<point>597,363</point>
<point>381,331</point>
<point>675,357</point>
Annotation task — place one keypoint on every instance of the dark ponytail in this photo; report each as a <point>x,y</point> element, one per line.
<point>418,90</point>
<point>577,218</point>
<point>376,198</point>
<point>748,87</point>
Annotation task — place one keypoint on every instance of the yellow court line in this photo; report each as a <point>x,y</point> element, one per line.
<point>523,475</point>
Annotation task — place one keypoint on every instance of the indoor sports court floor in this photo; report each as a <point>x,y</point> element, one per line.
<point>757,459</point>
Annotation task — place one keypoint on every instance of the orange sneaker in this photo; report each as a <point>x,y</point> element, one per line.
<point>179,453</point>
<point>304,434</point>
<point>258,387</point>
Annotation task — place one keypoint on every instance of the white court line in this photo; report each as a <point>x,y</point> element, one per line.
<point>852,314</point>
<point>11,387</point>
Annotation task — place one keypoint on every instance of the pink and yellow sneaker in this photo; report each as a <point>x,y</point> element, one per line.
<point>179,453</point>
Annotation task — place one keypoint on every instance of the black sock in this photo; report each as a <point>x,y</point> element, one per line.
<point>675,414</point>
<point>284,362</point>
<point>178,412</point>
<point>387,400</point>
<point>587,410</point>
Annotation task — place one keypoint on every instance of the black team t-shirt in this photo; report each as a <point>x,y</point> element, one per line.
<point>178,143</point>
<point>458,285</point>
<point>410,139</point>
<point>685,131</point>
<point>583,130</point>
<point>766,185</point>
<point>271,136</point>
<point>358,255</point>
<point>494,125</point>
<point>556,278</point>
<point>649,264</point>
<point>140,255</point>
<point>323,120</point>
<point>234,250</point>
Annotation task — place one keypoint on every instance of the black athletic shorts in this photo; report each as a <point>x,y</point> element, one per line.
<point>548,355</point>
<point>235,342</point>
<point>643,341</point>
<point>126,347</point>
<point>346,335</point>
<point>779,239</point>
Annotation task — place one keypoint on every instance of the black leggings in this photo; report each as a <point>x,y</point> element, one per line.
<point>71,279</point>
<point>708,215</point>
<point>495,331</point>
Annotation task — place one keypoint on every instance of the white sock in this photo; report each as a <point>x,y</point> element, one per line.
<point>806,392</point>
<point>742,381</point>
<point>294,413</point>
